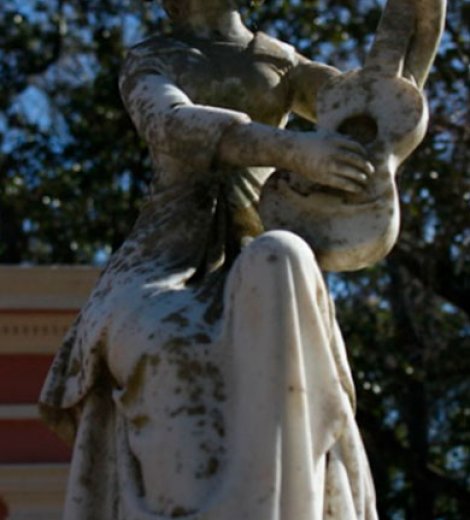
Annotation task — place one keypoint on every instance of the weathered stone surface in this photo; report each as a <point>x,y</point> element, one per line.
<point>206,378</point>
<point>381,106</point>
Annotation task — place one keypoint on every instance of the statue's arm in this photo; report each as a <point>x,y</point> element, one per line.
<point>203,135</point>
<point>306,78</point>
<point>165,116</point>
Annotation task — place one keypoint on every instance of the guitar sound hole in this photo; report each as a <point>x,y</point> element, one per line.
<point>361,128</point>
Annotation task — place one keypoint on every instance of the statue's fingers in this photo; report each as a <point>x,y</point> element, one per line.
<point>350,172</point>
<point>341,182</point>
<point>353,146</point>
<point>358,162</point>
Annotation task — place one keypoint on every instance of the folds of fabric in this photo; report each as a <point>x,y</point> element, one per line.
<point>293,448</point>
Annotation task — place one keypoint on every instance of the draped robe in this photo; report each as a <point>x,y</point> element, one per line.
<point>206,377</point>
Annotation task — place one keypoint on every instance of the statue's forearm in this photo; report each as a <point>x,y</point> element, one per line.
<point>171,124</point>
<point>256,144</point>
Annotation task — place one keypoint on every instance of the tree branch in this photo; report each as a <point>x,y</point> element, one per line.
<point>436,272</point>
<point>57,44</point>
<point>385,441</point>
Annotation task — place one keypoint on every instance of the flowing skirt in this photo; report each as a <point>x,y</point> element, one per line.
<point>286,447</point>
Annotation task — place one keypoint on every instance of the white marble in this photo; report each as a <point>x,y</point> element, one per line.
<point>382,105</point>
<point>206,378</point>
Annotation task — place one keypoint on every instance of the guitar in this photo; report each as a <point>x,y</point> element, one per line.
<point>382,106</point>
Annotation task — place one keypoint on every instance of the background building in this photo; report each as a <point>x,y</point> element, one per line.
<point>37,305</point>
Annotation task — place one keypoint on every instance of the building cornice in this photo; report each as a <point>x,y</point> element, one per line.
<point>45,287</point>
<point>38,305</point>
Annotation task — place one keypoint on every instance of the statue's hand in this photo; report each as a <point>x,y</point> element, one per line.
<point>332,160</point>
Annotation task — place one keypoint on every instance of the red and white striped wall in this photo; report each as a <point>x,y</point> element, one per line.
<point>37,305</point>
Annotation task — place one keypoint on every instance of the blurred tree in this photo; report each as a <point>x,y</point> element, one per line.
<point>73,174</point>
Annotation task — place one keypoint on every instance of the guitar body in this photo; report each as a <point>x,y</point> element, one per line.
<point>388,115</point>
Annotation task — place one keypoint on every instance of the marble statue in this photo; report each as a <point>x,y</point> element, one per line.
<point>206,378</point>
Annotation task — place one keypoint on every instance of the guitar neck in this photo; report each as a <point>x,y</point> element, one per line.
<point>389,50</point>
<point>407,39</point>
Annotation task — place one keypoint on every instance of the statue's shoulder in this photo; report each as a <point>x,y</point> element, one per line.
<point>274,48</point>
<point>157,44</point>
<point>154,54</point>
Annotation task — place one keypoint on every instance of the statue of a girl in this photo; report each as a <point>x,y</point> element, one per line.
<point>206,377</point>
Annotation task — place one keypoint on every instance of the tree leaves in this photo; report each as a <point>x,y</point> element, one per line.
<point>73,172</point>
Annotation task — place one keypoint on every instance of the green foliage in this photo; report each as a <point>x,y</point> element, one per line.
<point>73,173</point>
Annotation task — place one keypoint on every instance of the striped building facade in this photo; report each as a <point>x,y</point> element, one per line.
<point>37,305</point>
